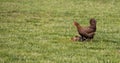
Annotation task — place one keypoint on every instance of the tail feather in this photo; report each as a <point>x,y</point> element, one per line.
<point>76,24</point>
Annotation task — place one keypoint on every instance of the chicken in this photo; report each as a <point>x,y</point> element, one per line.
<point>86,32</point>
<point>76,38</point>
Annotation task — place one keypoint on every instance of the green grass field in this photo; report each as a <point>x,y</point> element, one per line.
<point>39,31</point>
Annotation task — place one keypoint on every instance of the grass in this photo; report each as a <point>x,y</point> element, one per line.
<point>39,31</point>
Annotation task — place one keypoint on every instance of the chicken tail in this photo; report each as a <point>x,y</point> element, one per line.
<point>76,24</point>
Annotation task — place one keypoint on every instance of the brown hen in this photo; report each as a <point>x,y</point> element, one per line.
<point>86,32</point>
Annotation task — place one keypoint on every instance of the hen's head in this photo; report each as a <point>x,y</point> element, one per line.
<point>92,21</point>
<point>75,23</point>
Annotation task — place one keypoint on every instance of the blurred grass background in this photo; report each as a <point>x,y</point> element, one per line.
<point>39,31</point>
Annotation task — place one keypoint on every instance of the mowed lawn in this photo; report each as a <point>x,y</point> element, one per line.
<point>40,31</point>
